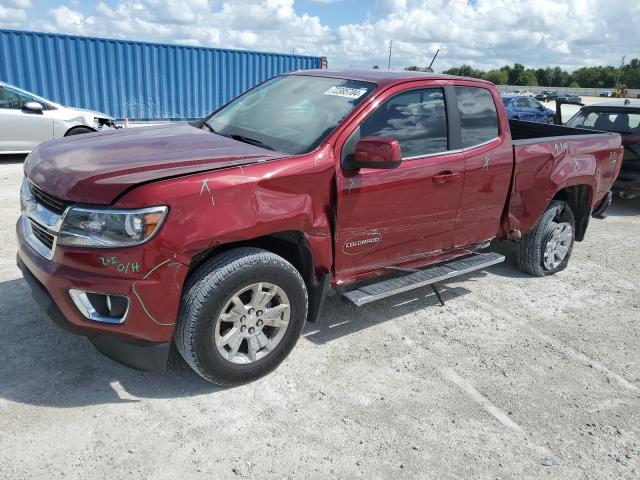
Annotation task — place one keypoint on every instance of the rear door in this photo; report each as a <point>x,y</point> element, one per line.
<point>488,160</point>
<point>21,131</point>
<point>387,217</point>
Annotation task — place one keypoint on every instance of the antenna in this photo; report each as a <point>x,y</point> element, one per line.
<point>389,63</point>
<point>433,59</point>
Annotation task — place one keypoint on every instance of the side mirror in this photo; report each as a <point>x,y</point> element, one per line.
<point>541,108</point>
<point>32,107</point>
<point>377,152</point>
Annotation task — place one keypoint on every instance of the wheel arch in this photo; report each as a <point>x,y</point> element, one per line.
<point>79,127</point>
<point>579,198</point>
<point>293,246</point>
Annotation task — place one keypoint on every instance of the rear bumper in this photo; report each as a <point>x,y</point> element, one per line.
<point>141,355</point>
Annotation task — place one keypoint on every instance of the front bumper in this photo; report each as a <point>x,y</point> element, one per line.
<point>141,355</point>
<point>142,340</point>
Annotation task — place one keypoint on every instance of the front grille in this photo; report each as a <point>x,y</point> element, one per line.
<point>42,234</point>
<point>55,205</point>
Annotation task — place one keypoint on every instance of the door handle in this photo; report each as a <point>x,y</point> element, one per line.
<point>444,177</point>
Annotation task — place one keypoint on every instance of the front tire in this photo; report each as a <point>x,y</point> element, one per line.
<point>241,315</point>
<point>547,248</point>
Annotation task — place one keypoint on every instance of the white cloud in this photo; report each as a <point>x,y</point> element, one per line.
<point>20,3</point>
<point>485,33</point>
<point>12,17</point>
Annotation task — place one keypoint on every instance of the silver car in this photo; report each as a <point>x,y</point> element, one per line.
<point>27,120</point>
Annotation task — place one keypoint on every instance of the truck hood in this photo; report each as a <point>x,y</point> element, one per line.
<point>97,168</point>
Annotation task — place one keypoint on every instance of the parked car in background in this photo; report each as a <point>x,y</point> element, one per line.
<point>606,93</point>
<point>525,93</point>
<point>546,96</point>
<point>526,108</point>
<point>225,235</point>
<point>570,97</point>
<point>621,117</point>
<point>27,120</point>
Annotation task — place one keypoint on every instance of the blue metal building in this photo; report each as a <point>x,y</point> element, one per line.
<point>138,80</point>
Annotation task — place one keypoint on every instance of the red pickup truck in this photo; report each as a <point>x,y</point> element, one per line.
<point>224,235</point>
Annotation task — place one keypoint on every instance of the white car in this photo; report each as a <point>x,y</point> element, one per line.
<point>27,120</point>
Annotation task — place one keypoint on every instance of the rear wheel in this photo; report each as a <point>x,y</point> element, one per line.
<point>241,315</point>
<point>547,248</point>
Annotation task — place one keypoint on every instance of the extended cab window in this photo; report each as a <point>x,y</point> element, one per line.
<point>416,118</point>
<point>478,116</point>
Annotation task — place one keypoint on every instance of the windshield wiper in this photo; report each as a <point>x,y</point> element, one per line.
<point>211,129</point>
<point>251,141</point>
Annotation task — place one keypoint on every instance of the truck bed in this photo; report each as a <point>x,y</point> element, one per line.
<point>548,158</point>
<point>526,133</point>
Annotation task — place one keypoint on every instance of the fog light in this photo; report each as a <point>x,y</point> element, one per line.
<point>101,307</point>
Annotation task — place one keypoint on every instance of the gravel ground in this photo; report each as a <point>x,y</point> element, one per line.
<point>516,377</point>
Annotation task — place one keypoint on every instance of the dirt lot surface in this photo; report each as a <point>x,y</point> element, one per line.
<point>517,377</point>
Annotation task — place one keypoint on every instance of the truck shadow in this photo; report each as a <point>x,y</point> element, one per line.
<point>44,365</point>
<point>622,207</point>
<point>6,159</point>
<point>340,317</point>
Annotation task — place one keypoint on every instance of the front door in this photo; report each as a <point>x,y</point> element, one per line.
<point>387,217</point>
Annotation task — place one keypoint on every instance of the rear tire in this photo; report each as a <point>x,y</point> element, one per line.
<point>241,314</point>
<point>547,248</point>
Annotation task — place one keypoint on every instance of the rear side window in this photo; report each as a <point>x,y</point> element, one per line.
<point>478,116</point>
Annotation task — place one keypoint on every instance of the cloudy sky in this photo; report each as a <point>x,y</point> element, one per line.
<point>356,33</point>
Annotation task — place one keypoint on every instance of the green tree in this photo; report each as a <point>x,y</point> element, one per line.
<point>465,71</point>
<point>630,74</point>
<point>516,74</point>
<point>499,77</point>
<point>376,67</point>
<point>415,68</point>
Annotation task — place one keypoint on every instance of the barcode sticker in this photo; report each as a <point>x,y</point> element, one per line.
<point>346,92</point>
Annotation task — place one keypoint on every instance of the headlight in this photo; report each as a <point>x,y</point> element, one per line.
<point>87,227</point>
<point>26,197</point>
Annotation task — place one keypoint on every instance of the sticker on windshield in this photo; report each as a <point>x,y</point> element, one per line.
<point>346,92</point>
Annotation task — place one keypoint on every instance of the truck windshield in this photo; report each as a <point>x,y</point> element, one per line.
<point>291,114</point>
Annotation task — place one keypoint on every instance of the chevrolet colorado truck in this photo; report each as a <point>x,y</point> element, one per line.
<point>224,235</point>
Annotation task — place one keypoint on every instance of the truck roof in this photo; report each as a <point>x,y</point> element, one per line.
<point>617,103</point>
<point>382,77</point>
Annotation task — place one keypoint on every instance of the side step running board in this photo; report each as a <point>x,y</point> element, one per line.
<point>421,278</point>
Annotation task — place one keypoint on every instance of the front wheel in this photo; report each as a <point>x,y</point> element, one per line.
<point>241,315</point>
<point>547,248</point>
